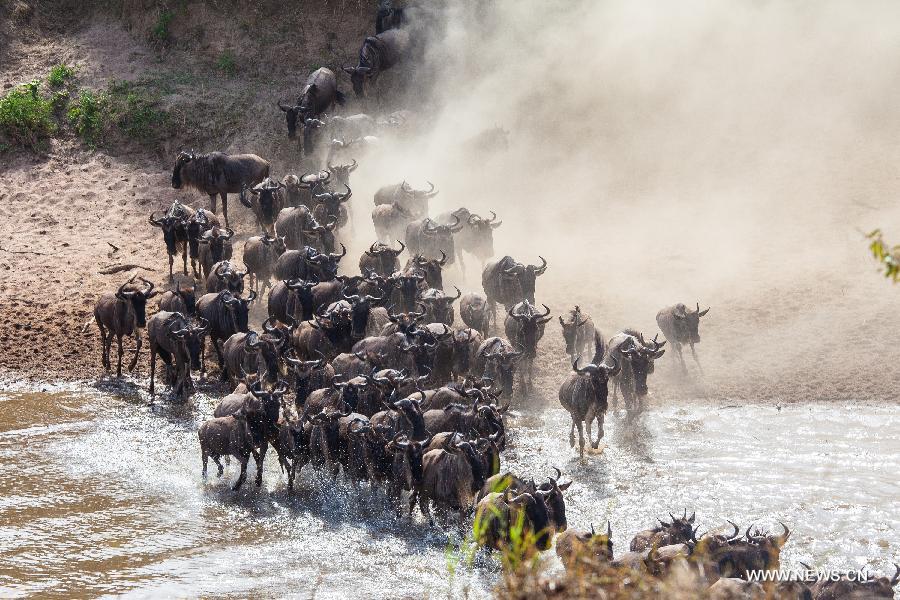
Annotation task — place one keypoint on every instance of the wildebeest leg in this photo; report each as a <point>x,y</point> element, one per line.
<point>243,475</point>
<point>580,438</point>
<point>184,257</point>
<point>224,371</point>
<point>413,497</point>
<point>218,464</point>
<point>152,370</point>
<point>259,462</point>
<point>119,344</point>
<point>572,434</point>
<point>137,350</point>
<point>171,263</point>
<point>104,353</point>
<point>205,458</point>
<point>212,203</point>
<point>679,351</point>
<point>423,506</point>
<point>599,416</point>
<point>696,360</point>
<point>225,207</point>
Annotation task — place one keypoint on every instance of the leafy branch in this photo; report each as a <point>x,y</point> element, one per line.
<point>889,257</point>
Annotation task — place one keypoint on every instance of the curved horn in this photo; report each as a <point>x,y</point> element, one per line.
<point>443,260</point>
<point>402,247</point>
<point>543,267</point>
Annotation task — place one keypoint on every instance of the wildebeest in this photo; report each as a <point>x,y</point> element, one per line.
<point>291,300</point>
<point>330,207</point>
<point>507,282</point>
<point>438,305</point>
<point>319,94</point>
<point>266,204</point>
<point>381,259</point>
<point>584,394</point>
<point>476,236</point>
<point>253,353</point>
<point>497,514</point>
<point>389,17</point>
<point>342,172</point>
<point>377,54</point>
<point>227,436</point>
<point>195,227</point>
<point>175,340</point>
<point>215,246</point>
<point>218,174</point>
<point>578,332</point>
<point>524,328</point>
<point>681,326</point>
<point>390,221</point>
<point>635,356</point>
<point>412,200</point>
<point>260,256</point>
<point>432,268</point>
<point>119,314</point>
<point>475,312</point>
<point>226,314</point>
<point>175,235</point>
<point>431,239</point>
<point>755,553</point>
<point>225,276</point>
<point>677,531</point>
<point>451,478</point>
<point>496,359</point>
<point>298,191</point>
<point>181,300</point>
<point>574,546</point>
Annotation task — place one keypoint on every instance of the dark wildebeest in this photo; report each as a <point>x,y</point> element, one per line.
<point>174,229</point>
<point>329,207</point>
<point>389,17</point>
<point>855,589</point>
<point>181,300</point>
<point>578,332</point>
<point>584,394</point>
<point>225,276</point>
<point>573,546</point>
<point>174,339</point>
<point>377,54</point>
<point>226,314</point>
<point>342,172</point>
<point>496,359</point>
<point>407,284</point>
<point>755,553</point>
<point>298,190</point>
<point>227,436</point>
<point>438,305</point>
<point>390,221</point>
<point>215,246</point>
<point>266,204</point>
<point>258,354</point>
<point>260,256</point>
<point>291,300</point>
<point>294,223</point>
<point>218,174</point>
<point>122,313</point>
<point>678,531</point>
<point>319,95</point>
<point>451,478</point>
<point>381,259</point>
<point>433,268</point>
<point>499,514</point>
<point>635,356</point>
<point>508,282</point>
<point>432,240</point>
<point>412,201</point>
<point>476,236</point>
<point>195,227</point>
<point>475,312</point>
<point>680,326</point>
<point>524,328</point>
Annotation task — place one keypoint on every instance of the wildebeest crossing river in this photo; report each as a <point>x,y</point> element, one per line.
<point>105,496</point>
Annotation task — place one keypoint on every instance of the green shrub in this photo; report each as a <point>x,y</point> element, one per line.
<point>132,109</point>
<point>227,63</point>
<point>25,116</point>
<point>160,31</point>
<point>86,115</point>
<point>59,74</point>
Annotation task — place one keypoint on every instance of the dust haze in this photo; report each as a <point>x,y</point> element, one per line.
<point>721,153</point>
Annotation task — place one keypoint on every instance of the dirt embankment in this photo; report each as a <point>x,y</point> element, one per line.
<point>628,225</point>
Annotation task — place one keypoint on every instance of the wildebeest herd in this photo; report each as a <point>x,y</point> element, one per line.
<point>369,373</point>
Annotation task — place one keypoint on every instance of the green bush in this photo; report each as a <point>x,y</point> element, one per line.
<point>86,115</point>
<point>160,31</point>
<point>25,117</point>
<point>59,74</point>
<point>133,110</point>
<point>227,63</point>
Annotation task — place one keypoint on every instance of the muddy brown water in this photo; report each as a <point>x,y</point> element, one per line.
<point>101,494</point>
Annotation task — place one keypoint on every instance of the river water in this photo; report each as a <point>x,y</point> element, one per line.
<point>101,494</point>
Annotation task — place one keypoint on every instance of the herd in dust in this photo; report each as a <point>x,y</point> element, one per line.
<point>370,373</point>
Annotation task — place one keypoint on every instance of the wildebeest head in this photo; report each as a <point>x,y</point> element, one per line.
<point>687,323</point>
<point>231,278</point>
<point>182,159</point>
<point>556,504</point>
<point>439,306</point>
<point>408,458</point>
<point>273,344</point>
<point>483,233</point>
<point>405,321</point>
<point>190,337</point>
<point>525,276</point>
<point>432,268</point>
<point>195,227</point>
<point>332,201</point>
<point>767,539</point>
<point>412,412</point>
<point>570,325</point>
<point>434,229</point>
<point>304,372</point>
<point>270,401</point>
<point>678,530</point>
<point>267,199</point>
<point>188,297</point>
<point>358,77</point>
<point>359,312</point>
<point>138,300</point>
<point>322,235</point>
<point>599,374</point>
<point>342,172</point>
<point>407,283</point>
<point>350,390</point>
<point>537,515</point>
<point>325,264</point>
<point>238,309</point>
<point>500,366</point>
<point>422,352</point>
<point>641,356</point>
<point>531,325</point>
<point>462,349</point>
<point>172,225</point>
<point>291,112</point>
<point>216,238</point>
<point>275,244</point>
<point>312,132</point>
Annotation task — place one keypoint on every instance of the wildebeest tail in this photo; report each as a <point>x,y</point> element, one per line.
<point>87,324</point>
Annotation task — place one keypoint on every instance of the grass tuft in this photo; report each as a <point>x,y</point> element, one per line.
<point>26,117</point>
